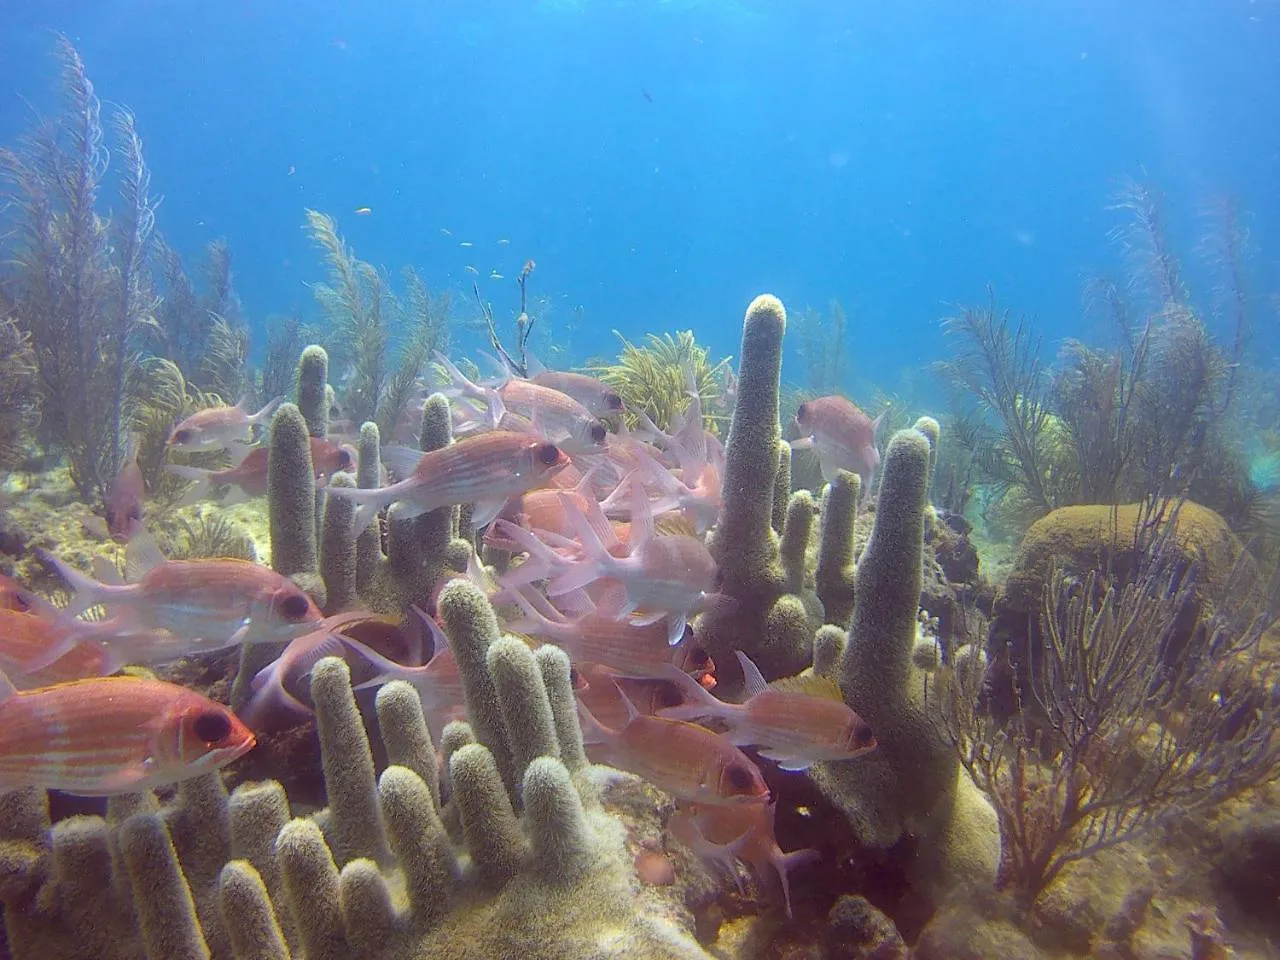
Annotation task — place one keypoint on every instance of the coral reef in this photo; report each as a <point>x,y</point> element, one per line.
<point>374,875</point>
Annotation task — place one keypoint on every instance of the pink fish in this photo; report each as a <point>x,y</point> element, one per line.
<point>123,508</point>
<point>599,399</point>
<point>796,722</point>
<point>484,470</point>
<point>635,651</point>
<point>250,474</point>
<point>219,428</point>
<point>113,735</point>
<point>743,832</point>
<point>842,436</point>
<point>685,760</point>
<point>668,577</point>
<point>205,604</point>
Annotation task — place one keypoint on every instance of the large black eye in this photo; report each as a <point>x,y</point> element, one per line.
<point>211,727</point>
<point>687,636</point>
<point>548,454</point>
<point>344,460</point>
<point>181,436</point>
<point>295,606</point>
<point>862,734</point>
<point>575,678</point>
<point>698,658</point>
<point>802,411</point>
<point>740,778</point>
<point>613,401</point>
<point>597,433</point>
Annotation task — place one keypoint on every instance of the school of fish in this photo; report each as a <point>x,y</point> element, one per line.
<point>605,529</point>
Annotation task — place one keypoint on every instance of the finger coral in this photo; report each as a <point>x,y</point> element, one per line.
<point>375,875</point>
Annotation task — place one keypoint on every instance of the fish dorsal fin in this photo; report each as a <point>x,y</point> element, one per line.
<point>533,365</point>
<point>439,639</point>
<point>105,571</point>
<point>751,674</point>
<point>809,685</point>
<point>141,555</point>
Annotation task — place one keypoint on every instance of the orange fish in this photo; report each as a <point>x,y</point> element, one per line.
<point>205,604</point>
<point>113,735</point>
<point>44,645</point>
<point>687,761</point>
<point>796,721</point>
<point>843,437</point>
<point>484,470</point>
<point>250,475</point>
<point>219,428</point>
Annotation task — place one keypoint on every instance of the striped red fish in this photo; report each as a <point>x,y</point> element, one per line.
<point>205,604</point>
<point>112,735</point>
<point>484,470</point>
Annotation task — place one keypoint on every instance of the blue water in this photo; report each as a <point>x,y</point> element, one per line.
<point>662,162</point>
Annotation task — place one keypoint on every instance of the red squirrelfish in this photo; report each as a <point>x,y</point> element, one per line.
<point>113,735</point>
<point>124,510</point>
<point>611,697</point>
<point>796,722</point>
<point>600,399</point>
<point>744,832</point>
<point>685,760</point>
<point>842,436</point>
<point>219,428</point>
<point>44,645</point>
<point>484,470</point>
<point>635,651</point>
<point>206,604</point>
<point>669,577</point>
<point>250,474</point>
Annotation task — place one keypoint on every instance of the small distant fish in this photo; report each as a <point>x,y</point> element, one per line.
<point>123,506</point>
<point>470,269</point>
<point>112,735</point>
<point>504,242</point>
<point>446,231</point>
<point>466,243</point>
<point>362,211</point>
<point>219,428</point>
<point>495,275</point>
<point>292,170</point>
<point>646,94</point>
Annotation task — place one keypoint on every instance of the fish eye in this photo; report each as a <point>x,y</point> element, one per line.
<point>862,734</point>
<point>802,411</point>
<point>613,401</point>
<point>740,778</point>
<point>211,727</point>
<point>344,459</point>
<point>575,678</point>
<point>548,454</point>
<point>597,433</point>
<point>181,436</point>
<point>295,606</point>
<point>687,637</point>
<point>697,657</point>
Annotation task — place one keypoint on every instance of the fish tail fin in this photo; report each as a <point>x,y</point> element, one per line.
<point>266,412</point>
<point>86,592</point>
<point>784,863</point>
<point>487,395</point>
<point>698,701</point>
<point>199,475</point>
<point>593,731</point>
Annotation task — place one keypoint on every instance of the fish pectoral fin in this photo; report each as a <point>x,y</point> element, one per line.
<point>484,512</point>
<point>786,761</point>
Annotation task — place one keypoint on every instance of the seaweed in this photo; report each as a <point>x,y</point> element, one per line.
<point>369,321</point>
<point>651,378</point>
<point>81,287</point>
<point>18,397</point>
